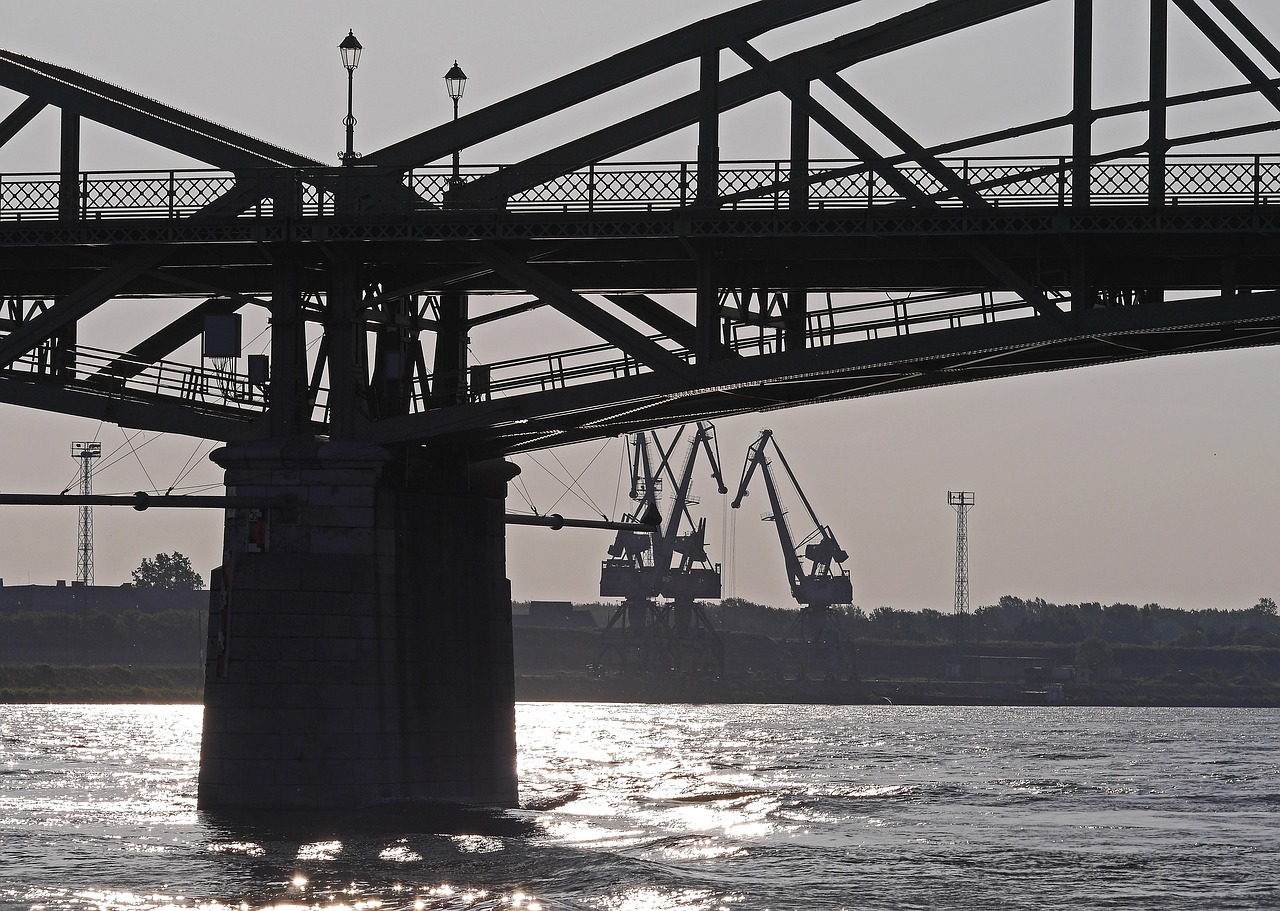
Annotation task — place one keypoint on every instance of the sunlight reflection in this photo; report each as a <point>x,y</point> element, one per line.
<point>652,899</point>
<point>701,849</point>
<point>399,853</point>
<point>477,844</point>
<point>590,834</point>
<point>320,850</point>
<point>247,848</point>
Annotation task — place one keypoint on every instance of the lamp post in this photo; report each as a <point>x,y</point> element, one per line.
<point>455,83</point>
<point>350,50</point>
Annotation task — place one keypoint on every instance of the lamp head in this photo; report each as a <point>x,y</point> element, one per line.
<point>455,81</point>
<point>350,49</point>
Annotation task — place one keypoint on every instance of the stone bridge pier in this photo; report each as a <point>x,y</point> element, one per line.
<point>360,631</point>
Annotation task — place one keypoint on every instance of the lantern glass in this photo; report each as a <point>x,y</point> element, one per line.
<point>455,81</point>
<point>350,49</point>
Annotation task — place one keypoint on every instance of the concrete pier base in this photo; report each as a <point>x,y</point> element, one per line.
<point>360,637</point>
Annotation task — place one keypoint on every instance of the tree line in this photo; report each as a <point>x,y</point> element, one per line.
<point>1014,619</point>
<point>178,636</point>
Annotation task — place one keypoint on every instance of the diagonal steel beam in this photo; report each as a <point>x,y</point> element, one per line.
<point>791,80</point>
<point>142,117</point>
<point>933,20</point>
<point>22,115</point>
<point>167,340</point>
<point>106,284</point>
<point>1020,131</point>
<point>164,416</point>
<point>1232,51</point>
<point>1251,32</point>
<point>899,137</point>
<point>181,330</point>
<point>682,332</point>
<point>786,80</point>
<point>585,313</point>
<point>84,300</point>
<point>591,81</point>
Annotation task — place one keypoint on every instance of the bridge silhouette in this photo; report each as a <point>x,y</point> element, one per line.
<point>365,602</point>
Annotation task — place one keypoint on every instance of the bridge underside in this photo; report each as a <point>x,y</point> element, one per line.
<point>424,321</point>
<point>892,300</point>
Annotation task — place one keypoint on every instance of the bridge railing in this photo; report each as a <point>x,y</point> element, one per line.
<point>835,184</point>
<point>827,325</point>
<point>215,385</point>
<point>654,187</point>
<point>86,367</point>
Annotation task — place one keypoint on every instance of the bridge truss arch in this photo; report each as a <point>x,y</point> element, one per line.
<point>701,287</point>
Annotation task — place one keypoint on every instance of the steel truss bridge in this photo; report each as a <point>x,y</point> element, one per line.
<point>708,286</point>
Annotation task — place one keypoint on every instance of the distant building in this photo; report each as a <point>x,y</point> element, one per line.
<point>555,614</point>
<point>77,597</point>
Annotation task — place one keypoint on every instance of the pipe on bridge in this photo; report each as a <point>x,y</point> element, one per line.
<point>143,501</point>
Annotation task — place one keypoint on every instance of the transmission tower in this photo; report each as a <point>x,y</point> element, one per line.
<point>85,453</point>
<point>962,501</point>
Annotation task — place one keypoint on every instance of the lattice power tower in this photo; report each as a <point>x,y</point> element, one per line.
<point>85,453</point>
<point>962,501</point>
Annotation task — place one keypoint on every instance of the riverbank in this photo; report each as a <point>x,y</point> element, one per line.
<point>43,683</point>
<point>103,684</point>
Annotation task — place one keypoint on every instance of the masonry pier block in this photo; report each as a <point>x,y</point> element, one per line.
<point>360,635</point>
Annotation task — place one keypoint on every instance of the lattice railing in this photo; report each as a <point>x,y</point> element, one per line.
<point>656,187</point>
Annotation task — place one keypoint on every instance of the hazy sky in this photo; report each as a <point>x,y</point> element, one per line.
<point>1152,481</point>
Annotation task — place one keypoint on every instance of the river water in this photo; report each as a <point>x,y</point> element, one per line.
<point>647,808</point>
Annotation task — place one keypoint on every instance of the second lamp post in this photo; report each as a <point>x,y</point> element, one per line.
<point>455,83</point>
<point>350,49</point>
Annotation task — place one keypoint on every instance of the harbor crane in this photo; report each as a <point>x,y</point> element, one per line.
<point>644,632</point>
<point>815,641</point>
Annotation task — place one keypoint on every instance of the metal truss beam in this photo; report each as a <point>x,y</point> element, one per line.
<point>589,82</point>
<point>839,372</point>
<point>658,317</point>
<point>1251,33</point>
<point>582,311</point>
<point>93,294</point>
<point>169,339</point>
<point>154,413</point>
<point>798,92</point>
<point>108,283</point>
<point>930,21</point>
<point>22,115</point>
<point>142,117</point>
<point>1232,51</point>
<point>946,240</point>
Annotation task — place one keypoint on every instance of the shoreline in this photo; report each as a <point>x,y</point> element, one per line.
<point>160,685</point>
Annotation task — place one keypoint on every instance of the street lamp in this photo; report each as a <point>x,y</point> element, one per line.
<point>455,83</point>
<point>350,50</point>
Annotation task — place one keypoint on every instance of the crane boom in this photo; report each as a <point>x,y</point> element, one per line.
<point>676,634</point>
<point>822,585</point>
<point>703,438</point>
<point>641,563</point>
